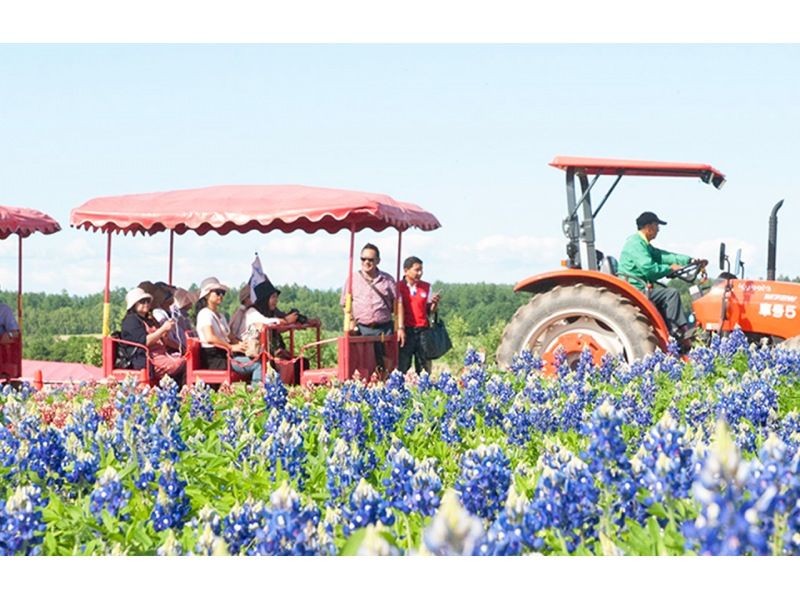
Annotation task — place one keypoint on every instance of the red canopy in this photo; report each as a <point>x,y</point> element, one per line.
<point>24,222</point>
<point>706,172</point>
<point>244,208</point>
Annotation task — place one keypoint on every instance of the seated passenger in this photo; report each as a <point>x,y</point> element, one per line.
<point>265,311</point>
<point>138,326</point>
<point>179,311</point>
<point>215,334</point>
<point>238,326</point>
<point>161,306</point>
<point>9,329</point>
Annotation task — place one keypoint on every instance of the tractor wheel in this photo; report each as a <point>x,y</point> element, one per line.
<point>576,317</point>
<point>792,342</point>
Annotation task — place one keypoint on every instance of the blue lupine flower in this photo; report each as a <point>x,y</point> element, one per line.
<point>201,405</point>
<point>730,522</point>
<point>565,501</point>
<point>366,507</point>
<point>284,447</point>
<point>289,528</point>
<point>275,393</point>
<point>524,362</point>
<point>473,357</point>
<point>607,460</point>
<point>172,505</point>
<point>411,487</point>
<point>108,495</point>
<point>484,480</point>
<point>21,526</point>
<point>167,394</point>
<point>665,464</point>
<point>239,527</point>
<point>505,537</point>
<point>79,466</point>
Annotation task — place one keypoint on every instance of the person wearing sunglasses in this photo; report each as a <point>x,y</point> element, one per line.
<point>138,326</point>
<point>374,295</point>
<point>215,334</point>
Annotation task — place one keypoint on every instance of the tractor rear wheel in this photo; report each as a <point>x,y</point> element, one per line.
<point>577,317</point>
<point>792,342</point>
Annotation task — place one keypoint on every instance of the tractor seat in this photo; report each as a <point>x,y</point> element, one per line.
<point>609,265</point>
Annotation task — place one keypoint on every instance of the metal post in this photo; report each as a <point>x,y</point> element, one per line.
<point>348,304</point>
<point>171,249</point>
<point>587,225</point>
<point>570,224</point>
<point>19,286</point>
<point>398,302</point>
<point>107,293</point>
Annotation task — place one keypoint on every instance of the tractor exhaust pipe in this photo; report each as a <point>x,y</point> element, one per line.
<point>772,240</point>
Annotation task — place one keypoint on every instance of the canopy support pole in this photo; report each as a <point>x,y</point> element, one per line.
<point>171,250</point>
<point>398,302</point>
<point>348,305</point>
<point>19,286</point>
<point>107,292</point>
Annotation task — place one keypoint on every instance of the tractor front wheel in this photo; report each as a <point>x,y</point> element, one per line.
<point>574,318</point>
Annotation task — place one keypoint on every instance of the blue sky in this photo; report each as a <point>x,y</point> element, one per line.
<point>466,131</point>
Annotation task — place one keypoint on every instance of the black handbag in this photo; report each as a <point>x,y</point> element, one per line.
<point>434,340</point>
<point>122,356</point>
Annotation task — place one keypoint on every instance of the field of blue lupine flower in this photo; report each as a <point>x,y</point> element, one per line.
<point>661,457</point>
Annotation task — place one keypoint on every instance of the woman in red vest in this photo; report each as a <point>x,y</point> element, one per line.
<point>418,302</point>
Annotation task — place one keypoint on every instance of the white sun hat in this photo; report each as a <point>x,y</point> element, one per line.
<point>135,295</point>
<point>209,284</point>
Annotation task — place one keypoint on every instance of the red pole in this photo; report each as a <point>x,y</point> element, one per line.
<point>171,248</point>
<point>348,303</point>
<point>19,286</point>
<point>107,293</point>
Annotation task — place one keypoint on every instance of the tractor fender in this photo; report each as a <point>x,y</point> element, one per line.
<point>542,283</point>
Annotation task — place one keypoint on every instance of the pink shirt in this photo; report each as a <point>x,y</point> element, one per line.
<point>368,306</point>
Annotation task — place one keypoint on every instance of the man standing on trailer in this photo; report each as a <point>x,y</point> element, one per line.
<point>642,265</point>
<point>374,294</point>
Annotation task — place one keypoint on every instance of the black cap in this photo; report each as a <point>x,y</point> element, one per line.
<point>646,218</point>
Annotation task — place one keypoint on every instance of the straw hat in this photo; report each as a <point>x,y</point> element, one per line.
<point>209,284</point>
<point>135,295</point>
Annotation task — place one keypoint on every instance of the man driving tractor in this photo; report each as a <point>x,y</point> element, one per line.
<point>642,265</point>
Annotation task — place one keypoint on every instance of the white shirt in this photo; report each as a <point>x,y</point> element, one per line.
<point>218,323</point>
<point>254,317</point>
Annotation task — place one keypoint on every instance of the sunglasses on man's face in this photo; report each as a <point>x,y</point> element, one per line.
<point>219,292</point>
<point>371,260</point>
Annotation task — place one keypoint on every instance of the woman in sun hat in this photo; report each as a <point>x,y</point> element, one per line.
<point>179,311</point>
<point>139,327</point>
<point>215,334</point>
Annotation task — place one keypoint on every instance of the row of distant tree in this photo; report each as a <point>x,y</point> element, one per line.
<point>63,327</point>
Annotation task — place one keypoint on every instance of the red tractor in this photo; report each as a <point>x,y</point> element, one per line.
<point>588,306</point>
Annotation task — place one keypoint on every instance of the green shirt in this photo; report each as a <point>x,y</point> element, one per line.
<point>640,259</point>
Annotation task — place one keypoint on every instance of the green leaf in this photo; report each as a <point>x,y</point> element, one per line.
<point>353,543</point>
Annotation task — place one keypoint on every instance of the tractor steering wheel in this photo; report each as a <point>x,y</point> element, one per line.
<point>691,272</point>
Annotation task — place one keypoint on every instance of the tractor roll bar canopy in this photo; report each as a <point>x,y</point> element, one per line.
<point>579,228</point>
<point>705,172</point>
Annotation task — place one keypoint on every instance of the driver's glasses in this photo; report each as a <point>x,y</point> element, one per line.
<point>370,260</point>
